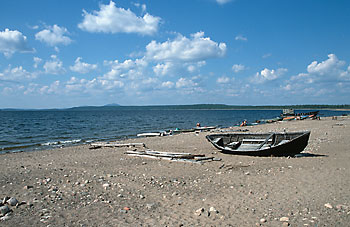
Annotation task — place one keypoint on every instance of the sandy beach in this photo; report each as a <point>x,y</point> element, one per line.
<point>78,186</point>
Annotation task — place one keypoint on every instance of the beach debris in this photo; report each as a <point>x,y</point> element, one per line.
<point>106,185</point>
<point>199,211</point>
<point>170,156</point>
<point>98,145</point>
<point>284,219</point>
<point>263,220</point>
<point>4,210</point>
<point>342,207</point>
<point>12,201</point>
<point>213,210</point>
<point>150,206</point>
<point>328,205</point>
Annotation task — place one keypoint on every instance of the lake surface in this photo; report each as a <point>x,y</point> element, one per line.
<point>33,130</point>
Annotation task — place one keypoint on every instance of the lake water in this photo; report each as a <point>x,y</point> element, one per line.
<point>33,130</point>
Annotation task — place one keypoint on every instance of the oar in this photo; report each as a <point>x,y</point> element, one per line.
<point>266,140</point>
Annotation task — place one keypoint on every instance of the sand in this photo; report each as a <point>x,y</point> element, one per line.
<point>76,186</point>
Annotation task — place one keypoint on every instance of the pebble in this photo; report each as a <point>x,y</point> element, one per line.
<point>12,201</point>
<point>150,206</point>
<point>263,220</point>
<point>199,211</point>
<point>106,185</point>
<point>4,210</point>
<point>284,219</point>
<point>212,209</point>
<point>6,217</point>
<point>328,205</point>
<point>28,187</point>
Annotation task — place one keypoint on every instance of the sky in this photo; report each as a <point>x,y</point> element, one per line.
<point>60,53</point>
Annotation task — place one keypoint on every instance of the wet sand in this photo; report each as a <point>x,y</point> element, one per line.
<point>76,186</point>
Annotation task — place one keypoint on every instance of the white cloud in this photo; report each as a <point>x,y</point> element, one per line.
<point>183,82</point>
<point>82,67</point>
<point>111,19</point>
<point>238,67</point>
<point>241,38</point>
<point>127,69</point>
<point>267,55</point>
<point>198,48</point>
<point>331,65</point>
<point>268,75</point>
<point>16,74</point>
<point>13,41</point>
<point>168,84</point>
<point>221,2</point>
<point>53,88</point>
<point>329,70</point>
<point>53,35</point>
<point>163,69</point>
<point>223,80</point>
<point>142,6</point>
<point>321,78</point>
<point>37,61</point>
<point>94,85</point>
<point>54,66</point>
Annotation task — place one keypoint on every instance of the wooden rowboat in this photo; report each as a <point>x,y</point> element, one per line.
<point>263,144</point>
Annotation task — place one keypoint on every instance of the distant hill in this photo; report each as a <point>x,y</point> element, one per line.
<point>112,104</point>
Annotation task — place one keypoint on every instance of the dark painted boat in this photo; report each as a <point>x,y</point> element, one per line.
<point>261,144</point>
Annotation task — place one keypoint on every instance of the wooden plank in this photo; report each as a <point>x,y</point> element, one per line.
<point>165,158</point>
<point>114,144</point>
<point>255,140</point>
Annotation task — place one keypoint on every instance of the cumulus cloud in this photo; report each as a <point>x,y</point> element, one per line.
<point>184,82</point>
<point>96,84</point>
<point>82,67</point>
<point>329,66</point>
<point>53,88</point>
<point>127,69</point>
<point>197,48</point>
<point>53,35</point>
<point>325,77</point>
<point>163,69</point>
<point>238,67</point>
<point>16,74</point>
<point>168,84</point>
<point>268,75</point>
<point>54,66</point>
<point>111,19</point>
<point>327,70</point>
<point>13,41</point>
<point>223,80</point>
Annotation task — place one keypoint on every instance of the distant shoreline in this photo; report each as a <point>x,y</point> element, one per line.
<point>345,107</point>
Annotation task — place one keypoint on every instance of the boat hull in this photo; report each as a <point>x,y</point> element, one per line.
<point>297,141</point>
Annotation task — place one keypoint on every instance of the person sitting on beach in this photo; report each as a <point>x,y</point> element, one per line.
<point>244,123</point>
<point>198,125</point>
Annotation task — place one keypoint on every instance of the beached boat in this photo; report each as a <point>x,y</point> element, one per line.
<point>263,144</point>
<point>204,128</point>
<point>149,134</point>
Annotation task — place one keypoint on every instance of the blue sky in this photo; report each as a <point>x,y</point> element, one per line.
<point>62,53</point>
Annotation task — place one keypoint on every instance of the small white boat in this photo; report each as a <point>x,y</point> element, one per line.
<point>149,134</point>
<point>204,128</point>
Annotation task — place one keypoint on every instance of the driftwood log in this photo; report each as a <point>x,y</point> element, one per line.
<point>170,156</point>
<point>115,144</point>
